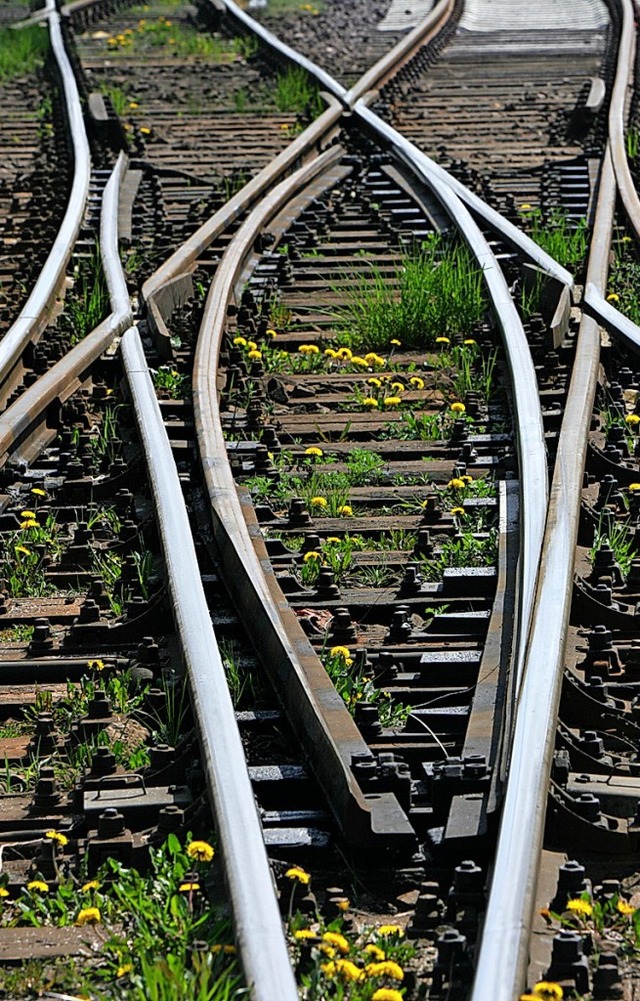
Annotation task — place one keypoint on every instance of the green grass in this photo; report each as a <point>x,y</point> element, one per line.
<point>562,239</point>
<point>120,101</point>
<point>22,51</point>
<point>436,292</point>
<point>295,91</point>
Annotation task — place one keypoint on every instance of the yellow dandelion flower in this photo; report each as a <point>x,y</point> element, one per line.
<point>23,550</point>
<point>93,884</point>
<point>309,349</point>
<point>283,127</point>
<point>386,994</point>
<point>345,353</point>
<point>88,916</point>
<point>124,969</point>
<point>345,510</point>
<point>360,362</point>
<point>303,934</point>
<point>145,131</point>
<point>581,907</point>
<point>27,514</point>
<point>240,342</point>
<point>201,851</point>
<point>37,886</point>
<point>396,343</point>
<point>349,970</point>
<point>467,478</point>
<point>613,297</point>
<point>328,951</point>
<point>342,652</point>
<point>417,382</point>
<point>632,419</point>
<point>633,487</point>
<point>392,401</point>
<point>470,340</point>
<point>314,450</point>
<point>312,555</point>
<point>386,968</point>
<point>387,930</point>
<point>375,951</point>
<point>524,206</point>
<point>330,353</point>
<point>456,483</point>
<point>442,340</point>
<point>298,875</point>
<point>270,332</point>
<point>60,839</point>
<point>134,105</point>
<point>254,355</point>
<point>344,904</point>
<point>329,969</point>
<point>370,402</point>
<point>29,523</point>
<point>458,408</point>
<point>548,991</point>
<point>457,511</point>
<point>335,939</point>
<point>3,891</point>
<point>374,382</point>
<point>624,907</point>
<point>320,502</point>
<point>333,540</point>
<point>38,492</point>
<point>252,345</point>
<point>188,887</point>
<point>95,665</point>
<point>398,387</point>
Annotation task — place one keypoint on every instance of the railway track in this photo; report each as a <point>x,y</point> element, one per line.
<point>344,524</point>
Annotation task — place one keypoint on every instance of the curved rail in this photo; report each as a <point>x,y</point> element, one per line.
<point>507,928</point>
<point>318,713</point>
<point>35,315</point>
<point>532,451</point>
<point>258,927</point>
<point>62,379</point>
<point>619,101</point>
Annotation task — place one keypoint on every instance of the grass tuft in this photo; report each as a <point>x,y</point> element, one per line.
<point>437,292</point>
<point>22,51</point>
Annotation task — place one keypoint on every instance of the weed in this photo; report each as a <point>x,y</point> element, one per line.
<point>632,142</point>
<point>120,101</point>
<point>437,292</point>
<point>175,383</point>
<point>563,239</point>
<point>474,371</point>
<point>354,686</point>
<point>466,550</point>
<point>88,303</point>
<point>364,467</point>
<point>295,91</point>
<point>22,51</point>
<point>618,535</point>
<point>245,46</point>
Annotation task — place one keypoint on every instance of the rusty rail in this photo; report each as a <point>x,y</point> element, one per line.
<point>36,313</point>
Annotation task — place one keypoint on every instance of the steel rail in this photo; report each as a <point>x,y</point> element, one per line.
<point>356,101</point>
<point>257,921</point>
<point>316,711</point>
<point>532,452</point>
<point>63,378</point>
<point>620,97</point>
<point>503,958</point>
<point>185,257</point>
<point>36,313</point>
